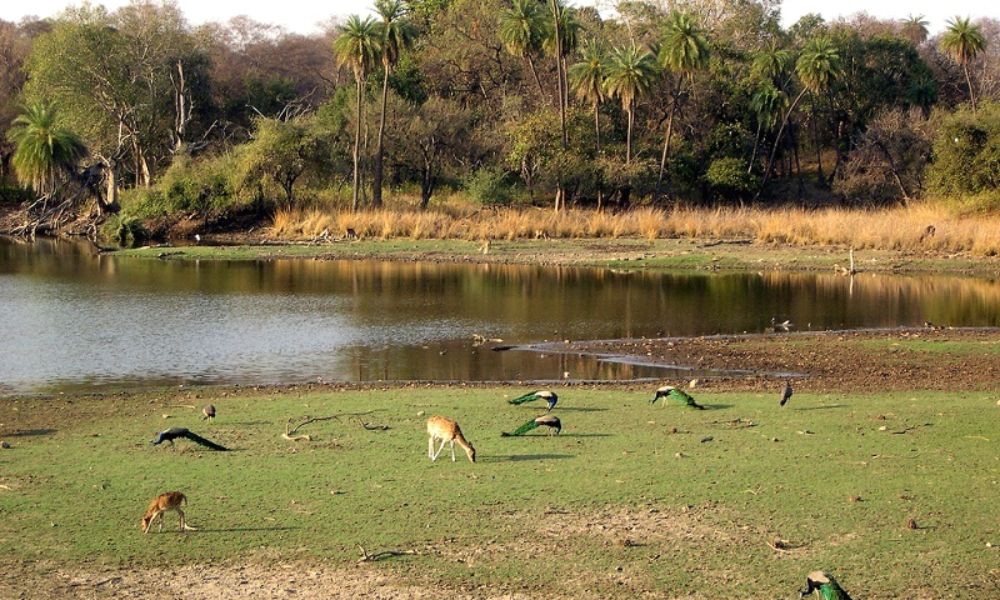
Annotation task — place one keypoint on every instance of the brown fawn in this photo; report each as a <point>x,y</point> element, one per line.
<point>448,431</point>
<point>160,505</point>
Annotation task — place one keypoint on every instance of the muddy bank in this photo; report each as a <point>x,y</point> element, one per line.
<point>862,361</point>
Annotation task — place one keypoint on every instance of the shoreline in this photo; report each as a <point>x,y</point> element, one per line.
<point>626,254</point>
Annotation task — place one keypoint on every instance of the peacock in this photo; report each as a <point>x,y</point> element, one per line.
<point>208,412</point>
<point>675,395</point>
<point>173,433</point>
<point>549,397</point>
<point>824,586</point>
<point>547,420</point>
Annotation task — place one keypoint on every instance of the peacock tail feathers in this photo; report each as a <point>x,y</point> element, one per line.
<point>523,429</point>
<point>676,396</point>
<point>524,398</point>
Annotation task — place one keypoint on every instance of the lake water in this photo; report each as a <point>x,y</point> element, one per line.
<point>72,319</point>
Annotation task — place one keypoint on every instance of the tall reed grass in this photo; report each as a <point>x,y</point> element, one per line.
<point>890,229</point>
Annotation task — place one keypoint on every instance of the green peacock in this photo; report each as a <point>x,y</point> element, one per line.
<point>675,396</point>
<point>550,421</point>
<point>824,586</point>
<point>549,397</point>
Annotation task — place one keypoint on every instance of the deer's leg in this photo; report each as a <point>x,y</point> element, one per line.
<point>430,448</point>
<point>452,450</point>
<point>181,513</point>
<point>438,451</point>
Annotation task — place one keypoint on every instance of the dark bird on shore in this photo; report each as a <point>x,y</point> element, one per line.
<point>182,432</point>
<point>550,421</point>
<point>788,393</point>
<point>549,397</point>
<point>824,586</point>
<point>208,412</point>
<point>677,396</point>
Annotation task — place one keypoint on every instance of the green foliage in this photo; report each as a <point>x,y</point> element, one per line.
<point>204,187</point>
<point>818,65</point>
<point>729,178</point>
<point>281,150</point>
<point>129,232</point>
<point>684,47</point>
<point>358,45</point>
<point>967,154</point>
<point>963,40</point>
<point>489,186</point>
<point>45,150</point>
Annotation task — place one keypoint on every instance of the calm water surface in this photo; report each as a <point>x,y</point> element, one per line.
<point>71,319</point>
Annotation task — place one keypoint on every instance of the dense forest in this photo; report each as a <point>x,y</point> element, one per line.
<point>137,116</point>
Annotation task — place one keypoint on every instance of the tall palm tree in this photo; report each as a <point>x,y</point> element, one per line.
<point>915,29</point>
<point>44,150</point>
<point>566,23</point>
<point>397,35</point>
<point>522,30</point>
<point>358,46</point>
<point>964,41</point>
<point>631,73</point>
<point>772,64</point>
<point>817,67</point>
<point>587,79</point>
<point>683,50</point>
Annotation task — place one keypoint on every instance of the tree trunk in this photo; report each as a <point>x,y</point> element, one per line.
<point>380,149</point>
<point>820,178</point>
<point>666,147</point>
<point>356,200</point>
<point>426,185</point>
<point>756,144</point>
<point>628,138</point>
<point>968,80</point>
<point>597,155</point>
<point>534,72</point>
<point>777,140</point>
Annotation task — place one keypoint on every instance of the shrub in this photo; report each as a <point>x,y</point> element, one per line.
<point>489,186</point>
<point>729,178</point>
<point>967,154</point>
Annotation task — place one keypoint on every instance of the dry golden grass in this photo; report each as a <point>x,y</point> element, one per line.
<point>888,229</point>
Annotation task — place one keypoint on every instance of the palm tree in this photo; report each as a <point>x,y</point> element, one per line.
<point>565,22</point>
<point>397,35</point>
<point>587,79</point>
<point>767,104</point>
<point>683,50</point>
<point>358,46</point>
<point>44,150</point>
<point>963,41</point>
<point>771,64</point>
<point>816,68</point>
<point>631,73</point>
<point>915,29</point>
<point>521,32</point>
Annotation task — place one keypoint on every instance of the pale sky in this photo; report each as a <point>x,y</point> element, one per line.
<point>304,15</point>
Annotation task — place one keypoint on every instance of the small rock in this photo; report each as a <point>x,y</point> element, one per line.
<point>854,499</point>
<point>883,428</point>
<point>4,445</point>
<point>707,439</point>
<point>678,455</point>
<point>420,413</point>
<point>912,524</point>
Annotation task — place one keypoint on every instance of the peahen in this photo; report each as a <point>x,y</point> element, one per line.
<point>676,396</point>
<point>549,397</point>
<point>824,586</point>
<point>551,421</point>
<point>182,432</point>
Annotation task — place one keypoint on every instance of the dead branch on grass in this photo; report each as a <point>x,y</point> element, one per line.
<point>290,433</point>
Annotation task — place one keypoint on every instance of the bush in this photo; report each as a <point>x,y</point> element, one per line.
<point>729,178</point>
<point>204,187</point>
<point>489,187</point>
<point>967,154</point>
<point>127,232</point>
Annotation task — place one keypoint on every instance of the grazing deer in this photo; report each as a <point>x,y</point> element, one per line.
<point>447,430</point>
<point>160,505</point>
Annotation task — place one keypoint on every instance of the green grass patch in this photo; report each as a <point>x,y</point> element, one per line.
<point>698,505</point>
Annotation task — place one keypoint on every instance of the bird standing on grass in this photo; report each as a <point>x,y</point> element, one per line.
<point>676,395</point>
<point>551,421</point>
<point>549,397</point>
<point>173,433</point>
<point>824,586</point>
<point>208,412</point>
<point>788,393</point>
